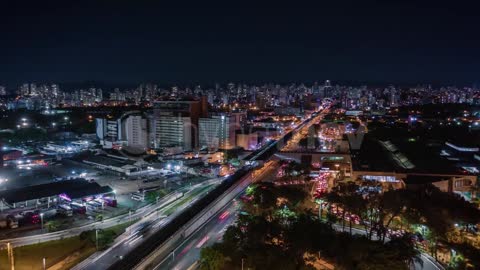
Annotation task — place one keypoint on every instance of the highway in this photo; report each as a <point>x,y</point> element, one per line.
<point>185,256</point>
<point>186,253</point>
<point>139,213</point>
<point>33,239</point>
<point>150,222</point>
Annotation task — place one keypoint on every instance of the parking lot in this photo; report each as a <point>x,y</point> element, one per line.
<point>158,180</point>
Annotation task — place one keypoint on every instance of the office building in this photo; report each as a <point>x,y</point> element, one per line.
<point>128,129</point>
<point>175,122</point>
<point>218,130</point>
<point>172,131</point>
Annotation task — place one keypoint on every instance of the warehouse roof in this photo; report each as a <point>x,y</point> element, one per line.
<point>74,189</point>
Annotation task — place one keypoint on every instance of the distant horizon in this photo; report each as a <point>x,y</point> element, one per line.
<point>105,85</point>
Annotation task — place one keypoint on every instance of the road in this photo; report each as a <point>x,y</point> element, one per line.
<point>139,213</point>
<point>150,222</point>
<point>185,256</point>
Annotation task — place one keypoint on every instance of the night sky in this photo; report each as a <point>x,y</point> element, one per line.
<point>139,41</point>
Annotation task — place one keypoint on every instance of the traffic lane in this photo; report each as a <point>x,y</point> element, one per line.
<point>107,258</point>
<point>212,232</point>
<point>188,252</point>
<point>128,243</point>
<point>428,264</point>
<point>139,213</point>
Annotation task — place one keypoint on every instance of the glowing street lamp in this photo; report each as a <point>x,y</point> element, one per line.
<point>41,218</point>
<point>320,207</point>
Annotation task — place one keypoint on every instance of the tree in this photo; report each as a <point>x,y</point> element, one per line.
<point>265,199</point>
<point>52,225</point>
<point>99,217</point>
<point>406,250</point>
<point>105,238</point>
<point>211,259</point>
<point>347,196</point>
<point>151,196</point>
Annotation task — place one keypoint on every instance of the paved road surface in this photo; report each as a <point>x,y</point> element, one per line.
<point>187,254</point>
<point>147,226</point>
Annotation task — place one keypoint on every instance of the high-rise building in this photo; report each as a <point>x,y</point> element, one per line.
<point>172,118</point>
<point>128,129</point>
<point>108,132</point>
<point>172,131</point>
<point>218,131</point>
<point>55,90</point>
<point>99,96</point>
<point>24,89</point>
<point>3,91</point>
<point>135,128</point>
<point>327,89</point>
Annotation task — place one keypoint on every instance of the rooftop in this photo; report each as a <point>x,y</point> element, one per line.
<point>74,189</point>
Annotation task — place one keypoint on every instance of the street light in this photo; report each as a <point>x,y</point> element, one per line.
<point>41,218</point>
<point>130,220</point>
<point>96,238</point>
<point>11,258</point>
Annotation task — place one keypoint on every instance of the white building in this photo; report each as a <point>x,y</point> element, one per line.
<point>130,129</point>
<point>168,131</point>
<point>217,132</point>
<point>135,130</point>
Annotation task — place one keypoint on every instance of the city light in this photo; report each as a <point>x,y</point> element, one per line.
<point>226,145</point>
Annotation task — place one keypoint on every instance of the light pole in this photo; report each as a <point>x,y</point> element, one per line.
<point>242,262</point>
<point>44,264</point>
<point>96,238</point>
<point>320,208</point>
<point>130,220</point>
<point>41,219</point>
<point>10,256</point>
